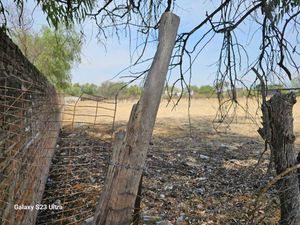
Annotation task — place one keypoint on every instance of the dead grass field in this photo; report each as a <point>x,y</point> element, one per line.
<point>174,120</point>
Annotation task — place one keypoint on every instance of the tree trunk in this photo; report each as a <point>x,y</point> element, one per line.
<point>130,149</point>
<point>278,131</point>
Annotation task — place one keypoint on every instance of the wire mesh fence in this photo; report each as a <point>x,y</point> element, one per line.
<point>36,123</point>
<point>26,129</point>
<point>80,161</point>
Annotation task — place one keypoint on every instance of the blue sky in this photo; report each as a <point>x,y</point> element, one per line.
<point>101,63</point>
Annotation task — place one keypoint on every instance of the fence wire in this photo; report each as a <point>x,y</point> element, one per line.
<point>36,123</point>
<point>80,162</point>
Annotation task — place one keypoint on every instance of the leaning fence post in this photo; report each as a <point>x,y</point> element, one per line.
<point>117,201</point>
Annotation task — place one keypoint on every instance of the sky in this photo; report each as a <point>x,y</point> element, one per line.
<point>100,63</point>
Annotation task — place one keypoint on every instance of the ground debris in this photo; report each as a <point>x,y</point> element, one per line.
<point>186,181</point>
<point>196,181</point>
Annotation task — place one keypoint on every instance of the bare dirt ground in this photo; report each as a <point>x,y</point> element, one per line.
<point>194,174</point>
<point>211,177</point>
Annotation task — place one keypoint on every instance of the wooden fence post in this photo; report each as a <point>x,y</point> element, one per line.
<point>279,134</point>
<point>117,201</point>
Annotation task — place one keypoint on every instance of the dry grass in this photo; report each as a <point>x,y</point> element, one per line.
<point>174,119</point>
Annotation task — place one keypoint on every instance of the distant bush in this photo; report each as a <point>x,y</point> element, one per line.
<point>106,89</point>
<point>202,91</point>
<point>73,89</point>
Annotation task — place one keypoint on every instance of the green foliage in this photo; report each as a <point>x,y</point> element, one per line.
<point>271,89</point>
<point>59,11</point>
<point>53,52</point>
<point>275,86</point>
<point>90,89</point>
<point>106,89</point>
<point>270,86</point>
<point>195,91</point>
<point>69,12</point>
<point>73,89</point>
<point>206,89</point>
<point>134,90</point>
<point>203,91</point>
<point>110,89</point>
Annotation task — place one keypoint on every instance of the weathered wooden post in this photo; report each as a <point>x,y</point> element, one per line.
<point>130,149</point>
<point>278,132</point>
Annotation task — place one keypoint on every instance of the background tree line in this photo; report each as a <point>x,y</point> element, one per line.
<point>111,89</point>
<point>107,89</point>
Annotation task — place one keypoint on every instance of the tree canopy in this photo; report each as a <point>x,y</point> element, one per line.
<point>53,52</point>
